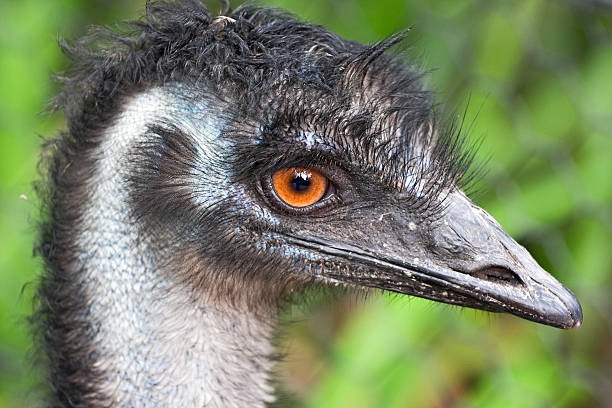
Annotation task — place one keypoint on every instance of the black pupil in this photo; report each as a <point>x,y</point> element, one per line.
<point>299,183</point>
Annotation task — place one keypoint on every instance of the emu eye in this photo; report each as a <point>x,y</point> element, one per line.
<point>300,187</point>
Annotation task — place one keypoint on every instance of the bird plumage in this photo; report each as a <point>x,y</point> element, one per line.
<point>167,250</point>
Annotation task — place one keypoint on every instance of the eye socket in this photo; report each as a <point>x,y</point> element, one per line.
<point>300,187</point>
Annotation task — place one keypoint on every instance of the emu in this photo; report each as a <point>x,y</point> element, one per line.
<point>213,166</point>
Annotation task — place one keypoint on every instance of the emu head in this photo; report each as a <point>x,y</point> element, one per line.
<point>280,155</point>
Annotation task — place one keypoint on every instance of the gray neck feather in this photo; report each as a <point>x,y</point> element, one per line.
<point>156,343</point>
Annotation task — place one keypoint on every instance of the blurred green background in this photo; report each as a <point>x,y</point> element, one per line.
<point>538,75</point>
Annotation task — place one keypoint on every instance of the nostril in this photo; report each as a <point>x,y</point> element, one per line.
<point>498,274</point>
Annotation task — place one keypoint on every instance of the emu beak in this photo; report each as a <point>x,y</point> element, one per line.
<point>498,273</point>
<point>463,258</point>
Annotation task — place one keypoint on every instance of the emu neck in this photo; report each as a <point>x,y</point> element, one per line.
<point>157,343</point>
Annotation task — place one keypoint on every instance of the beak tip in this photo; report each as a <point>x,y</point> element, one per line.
<point>577,314</point>
<point>557,306</point>
<point>573,309</point>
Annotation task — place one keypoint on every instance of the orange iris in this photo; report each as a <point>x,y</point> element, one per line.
<point>299,187</point>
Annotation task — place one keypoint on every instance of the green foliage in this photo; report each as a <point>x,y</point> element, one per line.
<point>538,77</point>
